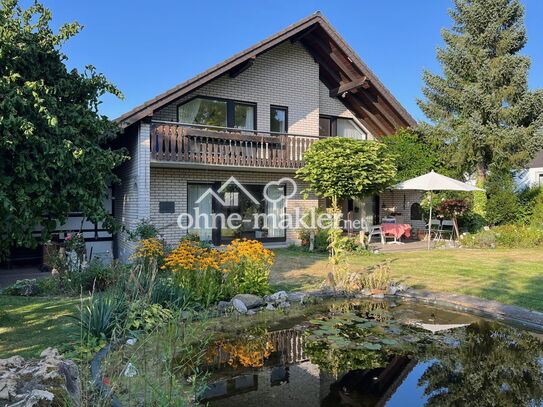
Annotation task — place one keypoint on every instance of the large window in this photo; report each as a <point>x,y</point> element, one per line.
<point>278,119</point>
<point>218,112</point>
<point>204,111</point>
<point>330,126</point>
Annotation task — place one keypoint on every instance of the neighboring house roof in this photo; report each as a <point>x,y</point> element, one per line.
<point>340,68</point>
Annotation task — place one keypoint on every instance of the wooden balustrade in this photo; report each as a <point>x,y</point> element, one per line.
<point>179,143</point>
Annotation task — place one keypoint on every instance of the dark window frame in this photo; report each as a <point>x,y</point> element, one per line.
<point>216,238</point>
<point>285,109</point>
<point>333,124</point>
<point>230,109</point>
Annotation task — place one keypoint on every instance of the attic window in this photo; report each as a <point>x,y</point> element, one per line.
<point>218,112</point>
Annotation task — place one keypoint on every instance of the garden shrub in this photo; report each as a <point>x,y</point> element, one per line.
<point>527,201</point>
<point>502,206</point>
<point>142,316</point>
<point>144,230</point>
<point>509,236</point>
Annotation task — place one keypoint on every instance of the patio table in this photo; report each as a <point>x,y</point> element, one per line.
<point>397,230</point>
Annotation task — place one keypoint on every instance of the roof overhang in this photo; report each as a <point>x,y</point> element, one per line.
<point>340,69</point>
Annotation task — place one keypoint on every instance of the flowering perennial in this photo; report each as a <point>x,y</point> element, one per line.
<point>148,249</point>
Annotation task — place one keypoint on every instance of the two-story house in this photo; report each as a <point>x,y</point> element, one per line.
<point>250,117</point>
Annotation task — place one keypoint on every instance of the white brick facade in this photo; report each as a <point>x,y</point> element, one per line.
<point>170,184</point>
<point>132,195</point>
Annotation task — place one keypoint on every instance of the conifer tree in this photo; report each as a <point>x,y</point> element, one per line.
<point>480,106</point>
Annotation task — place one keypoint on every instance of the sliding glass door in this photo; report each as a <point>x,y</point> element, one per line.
<point>240,213</point>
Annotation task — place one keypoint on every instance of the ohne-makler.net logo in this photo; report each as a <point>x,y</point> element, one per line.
<point>268,212</point>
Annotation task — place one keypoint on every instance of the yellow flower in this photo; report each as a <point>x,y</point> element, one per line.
<point>148,249</point>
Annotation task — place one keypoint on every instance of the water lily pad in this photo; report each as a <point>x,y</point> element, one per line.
<point>366,325</point>
<point>372,346</point>
<point>389,341</point>
<point>394,329</point>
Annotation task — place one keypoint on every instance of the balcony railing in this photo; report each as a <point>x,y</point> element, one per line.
<point>187,143</point>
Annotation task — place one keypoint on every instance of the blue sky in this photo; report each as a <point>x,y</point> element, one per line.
<point>147,47</point>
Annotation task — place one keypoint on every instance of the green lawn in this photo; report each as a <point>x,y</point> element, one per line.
<point>29,325</point>
<point>513,276</point>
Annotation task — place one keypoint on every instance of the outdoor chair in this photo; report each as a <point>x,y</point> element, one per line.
<point>445,229</point>
<point>375,230</point>
<point>436,225</point>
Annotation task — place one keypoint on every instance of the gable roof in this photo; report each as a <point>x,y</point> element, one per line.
<point>340,69</point>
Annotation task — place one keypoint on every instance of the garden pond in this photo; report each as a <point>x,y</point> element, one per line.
<point>376,353</point>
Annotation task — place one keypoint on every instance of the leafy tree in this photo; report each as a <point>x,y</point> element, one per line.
<point>481,106</point>
<point>414,156</point>
<point>339,168</point>
<point>53,154</point>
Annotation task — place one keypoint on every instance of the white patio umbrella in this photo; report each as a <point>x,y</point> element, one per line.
<point>431,182</point>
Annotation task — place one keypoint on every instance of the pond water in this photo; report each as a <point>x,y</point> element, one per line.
<point>384,353</point>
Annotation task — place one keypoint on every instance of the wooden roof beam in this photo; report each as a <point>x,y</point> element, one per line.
<point>319,60</point>
<point>242,67</point>
<point>380,106</point>
<point>304,33</point>
<point>378,123</point>
<point>349,86</point>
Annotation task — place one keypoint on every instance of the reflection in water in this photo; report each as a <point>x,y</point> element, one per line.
<point>484,364</point>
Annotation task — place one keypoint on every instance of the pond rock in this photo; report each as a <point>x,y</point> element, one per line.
<point>239,306</point>
<point>279,297</point>
<point>403,287</point>
<point>285,304</point>
<point>379,296</point>
<point>391,290</point>
<point>270,307</point>
<point>249,300</point>
<point>296,296</point>
<point>366,292</point>
<point>222,306</point>
<point>47,381</point>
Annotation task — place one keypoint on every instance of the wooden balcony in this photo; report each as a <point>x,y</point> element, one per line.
<point>221,146</point>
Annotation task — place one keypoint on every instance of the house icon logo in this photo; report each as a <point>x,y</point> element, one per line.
<point>233,181</point>
<point>216,195</point>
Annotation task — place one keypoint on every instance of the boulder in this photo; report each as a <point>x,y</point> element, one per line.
<point>279,297</point>
<point>296,296</point>
<point>284,305</point>
<point>239,306</point>
<point>270,307</point>
<point>249,300</point>
<point>47,381</point>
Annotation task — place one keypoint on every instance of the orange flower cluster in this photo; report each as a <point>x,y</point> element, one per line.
<point>148,249</point>
<point>190,256</point>
<point>241,249</point>
<point>250,353</point>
